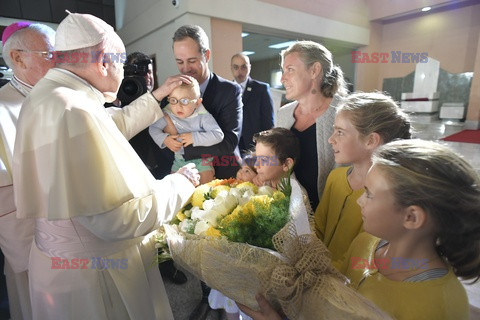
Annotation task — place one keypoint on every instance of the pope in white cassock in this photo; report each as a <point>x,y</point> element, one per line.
<point>91,196</point>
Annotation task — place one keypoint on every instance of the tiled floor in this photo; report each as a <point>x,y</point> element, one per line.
<point>437,130</point>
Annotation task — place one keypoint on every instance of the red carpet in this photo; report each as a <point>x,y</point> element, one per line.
<point>468,136</point>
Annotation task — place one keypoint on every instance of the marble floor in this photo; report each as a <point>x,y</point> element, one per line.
<point>436,130</point>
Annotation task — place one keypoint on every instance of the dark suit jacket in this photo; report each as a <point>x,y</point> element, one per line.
<point>222,98</point>
<point>257,112</point>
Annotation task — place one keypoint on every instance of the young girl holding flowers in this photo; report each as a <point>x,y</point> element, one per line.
<point>363,122</point>
<point>423,200</point>
<point>275,153</point>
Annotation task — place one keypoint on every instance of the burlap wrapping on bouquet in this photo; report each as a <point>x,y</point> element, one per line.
<point>307,286</point>
<point>230,267</point>
<point>299,277</point>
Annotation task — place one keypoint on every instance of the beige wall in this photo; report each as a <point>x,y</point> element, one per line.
<point>473,111</point>
<point>451,37</point>
<point>379,9</point>
<point>226,40</point>
<point>366,76</point>
<point>349,11</point>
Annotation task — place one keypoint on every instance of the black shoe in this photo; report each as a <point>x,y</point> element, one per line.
<point>201,311</point>
<point>171,273</point>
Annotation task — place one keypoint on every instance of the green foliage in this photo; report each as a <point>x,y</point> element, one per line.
<point>284,185</point>
<point>258,227</point>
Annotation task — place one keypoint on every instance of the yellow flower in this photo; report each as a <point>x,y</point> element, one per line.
<point>218,182</point>
<point>249,206</point>
<point>181,216</point>
<point>213,232</point>
<point>218,189</point>
<point>198,196</point>
<point>245,215</point>
<point>247,185</point>
<point>262,200</point>
<point>278,195</point>
<point>232,216</point>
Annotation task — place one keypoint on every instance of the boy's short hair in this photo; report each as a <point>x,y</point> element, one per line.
<point>284,143</point>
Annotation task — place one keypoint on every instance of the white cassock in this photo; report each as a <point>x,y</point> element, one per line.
<point>15,234</point>
<point>93,198</point>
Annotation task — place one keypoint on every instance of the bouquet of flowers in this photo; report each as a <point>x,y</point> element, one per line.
<point>227,234</point>
<point>240,211</point>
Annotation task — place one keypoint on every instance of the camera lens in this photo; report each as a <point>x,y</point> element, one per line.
<point>130,87</point>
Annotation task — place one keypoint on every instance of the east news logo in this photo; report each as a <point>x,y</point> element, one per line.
<point>392,57</point>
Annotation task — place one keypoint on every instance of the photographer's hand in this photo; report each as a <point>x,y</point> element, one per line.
<point>172,143</point>
<point>171,83</point>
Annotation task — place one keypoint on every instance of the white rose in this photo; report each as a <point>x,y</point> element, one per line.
<point>201,227</point>
<point>266,190</point>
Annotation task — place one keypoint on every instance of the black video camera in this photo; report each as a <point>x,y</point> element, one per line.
<point>133,84</point>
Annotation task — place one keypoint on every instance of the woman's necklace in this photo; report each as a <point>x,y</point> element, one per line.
<point>312,112</point>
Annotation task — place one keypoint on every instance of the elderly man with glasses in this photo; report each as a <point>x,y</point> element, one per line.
<point>27,50</point>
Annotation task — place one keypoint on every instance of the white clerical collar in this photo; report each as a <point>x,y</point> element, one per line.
<point>22,87</point>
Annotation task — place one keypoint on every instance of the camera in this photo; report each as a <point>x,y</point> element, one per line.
<point>176,3</point>
<point>6,75</point>
<point>134,83</point>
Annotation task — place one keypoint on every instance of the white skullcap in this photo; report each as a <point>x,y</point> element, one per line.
<point>78,31</point>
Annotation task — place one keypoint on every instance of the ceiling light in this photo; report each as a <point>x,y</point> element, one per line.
<point>244,34</point>
<point>426,9</point>
<point>247,53</point>
<point>282,45</point>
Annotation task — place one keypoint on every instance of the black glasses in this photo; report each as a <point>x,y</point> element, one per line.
<point>182,101</point>
<point>47,55</point>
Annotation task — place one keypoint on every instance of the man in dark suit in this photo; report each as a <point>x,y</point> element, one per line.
<point>221,97</point>
<point>257,101</point>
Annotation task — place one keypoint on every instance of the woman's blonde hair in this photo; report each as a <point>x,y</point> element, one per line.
<point>310,52</point>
